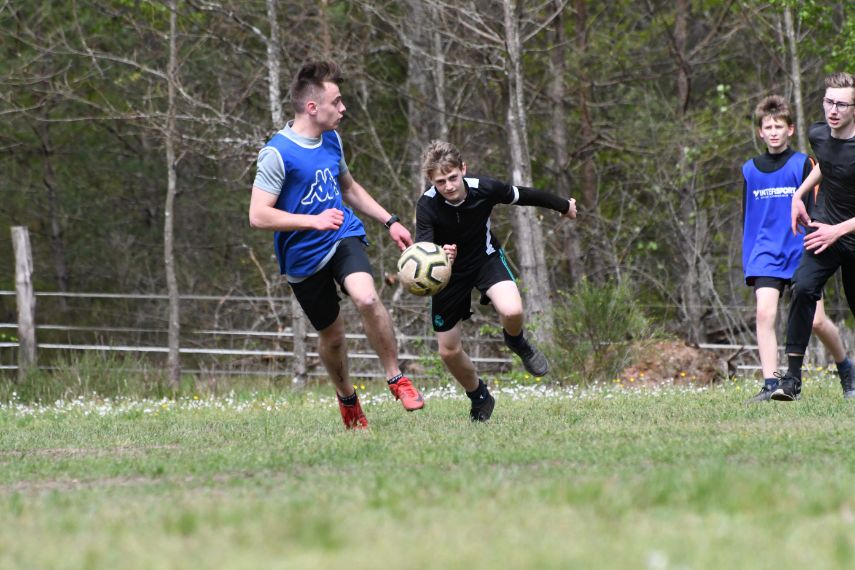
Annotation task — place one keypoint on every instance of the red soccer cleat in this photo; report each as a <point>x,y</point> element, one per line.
<point>352,415</point>
<point>404,390</point>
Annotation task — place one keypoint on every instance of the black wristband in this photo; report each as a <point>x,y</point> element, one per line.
<point>391,221</point>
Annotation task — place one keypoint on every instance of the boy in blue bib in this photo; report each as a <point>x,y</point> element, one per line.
<point>770,251</point>
<point>304,192</point>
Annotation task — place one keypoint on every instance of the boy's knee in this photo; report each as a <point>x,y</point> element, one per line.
<point>449,352</point>
<point>822,324</point>
<point>332,337</point>
<point>367,301</point>
<point>767,315</point>
<point>803,290</point>
<point>515,314</point>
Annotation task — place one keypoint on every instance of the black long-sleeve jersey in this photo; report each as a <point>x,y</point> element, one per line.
<point>467,224</point>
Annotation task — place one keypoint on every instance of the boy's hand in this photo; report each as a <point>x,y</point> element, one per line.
<point>401,235</point>
<point>571,213</point>
<point>329,219</point>
<point>798,217</point>
<point>451,252</point>
<point>824,235</point>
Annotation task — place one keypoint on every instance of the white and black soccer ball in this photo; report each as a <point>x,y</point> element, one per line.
<point>424,269</point>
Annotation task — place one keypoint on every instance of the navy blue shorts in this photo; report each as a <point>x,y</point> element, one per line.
<point>453,304</point>
<point>317,293</point>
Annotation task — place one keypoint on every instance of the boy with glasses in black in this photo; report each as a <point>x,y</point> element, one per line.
<point>830,242</point>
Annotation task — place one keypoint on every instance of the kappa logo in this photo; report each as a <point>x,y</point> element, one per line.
<point>324,189</point>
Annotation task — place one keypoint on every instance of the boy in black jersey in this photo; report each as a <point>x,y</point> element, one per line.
<point>770,252</point>
<point>830,243</point>
<point>455,213</point>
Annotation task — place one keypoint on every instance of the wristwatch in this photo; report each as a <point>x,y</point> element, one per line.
<point>391,221</point>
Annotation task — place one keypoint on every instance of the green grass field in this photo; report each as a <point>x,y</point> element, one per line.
<point>560,478</point>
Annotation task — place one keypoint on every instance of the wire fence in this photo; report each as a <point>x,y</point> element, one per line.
<point>253,349</point>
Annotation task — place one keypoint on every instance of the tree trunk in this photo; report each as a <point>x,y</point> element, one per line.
<point>299,363</point>
<point>418,87</point>
<point>681,38</point>
<point>273,66</point>
<point>174,358</point>
<point>558,132</point>
<point>438,53</point>
<point>796,77</point>
<point>535,277</point>
<point>589,215</point>
<point>326,35</point>
<point>57,244</point>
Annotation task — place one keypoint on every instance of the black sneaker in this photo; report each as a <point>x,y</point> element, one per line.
<point>848,384</point>
<point>534,361</point>
<point>764,395</point>
<point>483,411</point>
<point>790,389</point>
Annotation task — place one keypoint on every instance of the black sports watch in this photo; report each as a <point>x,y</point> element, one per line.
<point>391,221</point>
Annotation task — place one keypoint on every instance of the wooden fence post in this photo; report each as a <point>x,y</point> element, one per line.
<point>26,301</point>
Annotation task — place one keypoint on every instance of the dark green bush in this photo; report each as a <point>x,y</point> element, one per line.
<point>597,329</point>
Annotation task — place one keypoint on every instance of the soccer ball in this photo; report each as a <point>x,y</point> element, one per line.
<point>424,269</point>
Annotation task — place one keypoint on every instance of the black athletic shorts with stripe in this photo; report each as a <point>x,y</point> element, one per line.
<point>454,303</point>
<point>317,293</point>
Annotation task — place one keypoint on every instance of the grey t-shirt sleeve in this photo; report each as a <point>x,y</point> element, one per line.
<point>342,164</point>
<point>270,172</point>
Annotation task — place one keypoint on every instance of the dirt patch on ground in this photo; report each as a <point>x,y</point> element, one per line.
<point>674,362</point>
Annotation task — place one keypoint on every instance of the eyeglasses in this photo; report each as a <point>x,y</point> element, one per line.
<point>839,105</point>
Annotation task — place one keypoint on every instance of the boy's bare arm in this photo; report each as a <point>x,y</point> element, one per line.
<point>799,215</point>
<point>357,197</point>
<point>263,214</point>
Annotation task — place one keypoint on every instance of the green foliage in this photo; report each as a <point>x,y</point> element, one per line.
<point>595,329</point>
<point>83,374</point>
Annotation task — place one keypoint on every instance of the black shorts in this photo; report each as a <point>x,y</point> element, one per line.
<point>453,303</point>
<point>317,295</point>
<point>778,283</point>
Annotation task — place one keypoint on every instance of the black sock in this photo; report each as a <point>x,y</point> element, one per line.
<point>479,394</point>
<point>394,379</point>
<point>794,365</point>
<point>843,367</point>
<point>771,383</point>
<point>515,343</point>
<point>348,400</point>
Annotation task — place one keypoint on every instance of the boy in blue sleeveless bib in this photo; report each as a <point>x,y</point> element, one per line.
<point>304,192</point>
<point>770,251</point>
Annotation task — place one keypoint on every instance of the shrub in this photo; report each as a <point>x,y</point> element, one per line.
<point>596,329</point>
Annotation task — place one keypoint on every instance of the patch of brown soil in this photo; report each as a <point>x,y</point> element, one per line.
<point>673,361</point>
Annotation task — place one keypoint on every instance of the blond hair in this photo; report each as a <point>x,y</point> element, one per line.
<point>440,156</point>
<point>839,80</point>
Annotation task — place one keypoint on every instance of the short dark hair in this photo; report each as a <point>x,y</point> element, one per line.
<point>773,106</point>
<point>309,81</point>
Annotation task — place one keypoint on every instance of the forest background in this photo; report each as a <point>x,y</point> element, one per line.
<point>130,131</point>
